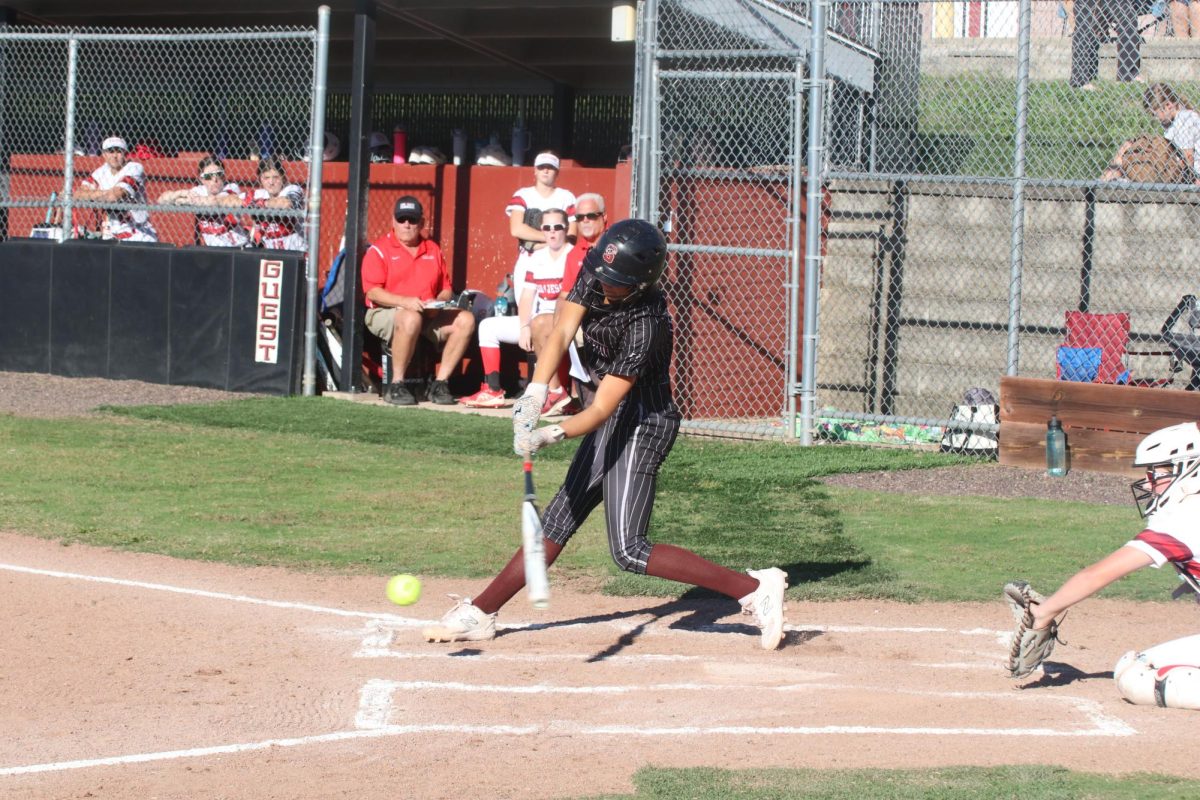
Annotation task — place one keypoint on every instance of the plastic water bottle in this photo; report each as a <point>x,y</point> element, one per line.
<point>1056,449</point>
<point>500,307</point>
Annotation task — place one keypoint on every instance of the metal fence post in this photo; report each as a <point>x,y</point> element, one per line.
<point>69,135</point>
<point>1017,250</point>
<point>812,228</point>
<point>312,219</point>
<point>643,110</point>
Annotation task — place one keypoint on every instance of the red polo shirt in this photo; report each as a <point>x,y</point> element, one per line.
<point>575,263</point>
<point>389,264</point>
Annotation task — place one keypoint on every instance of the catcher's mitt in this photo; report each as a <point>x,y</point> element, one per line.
<point>1029,647</point>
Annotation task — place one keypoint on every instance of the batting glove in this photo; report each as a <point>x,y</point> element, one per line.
<point>529,443</point>
<point>528,408</point>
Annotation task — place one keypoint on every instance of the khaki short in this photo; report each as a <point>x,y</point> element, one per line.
<point>382,322</point>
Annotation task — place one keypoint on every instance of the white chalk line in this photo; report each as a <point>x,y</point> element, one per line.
<point>401,621</point>
<point>237,598</point>
<point>376,706</point>
<point>339,736</point>
<point>378,621</point>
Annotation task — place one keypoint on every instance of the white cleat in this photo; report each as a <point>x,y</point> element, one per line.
<point>766,604</point>
<point>463,623</point>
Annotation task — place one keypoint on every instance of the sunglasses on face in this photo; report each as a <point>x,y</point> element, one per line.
<point>558,226</point>
<point>114,150</point>
<point>209,176</point>
<point>408,220</point>
<point>592,215</point>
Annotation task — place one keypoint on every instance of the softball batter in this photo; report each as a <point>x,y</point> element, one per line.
<point>628,431</point>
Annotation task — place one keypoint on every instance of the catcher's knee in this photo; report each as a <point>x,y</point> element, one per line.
<point>1142,683</point>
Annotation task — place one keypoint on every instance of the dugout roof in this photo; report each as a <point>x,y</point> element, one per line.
<point>421,45</point>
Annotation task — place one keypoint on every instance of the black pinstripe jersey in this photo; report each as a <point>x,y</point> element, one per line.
<point>631,341</point>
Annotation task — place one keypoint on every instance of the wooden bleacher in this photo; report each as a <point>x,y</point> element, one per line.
<point>1104,423</point>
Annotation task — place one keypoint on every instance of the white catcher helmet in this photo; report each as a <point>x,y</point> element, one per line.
<point>1168,454</point>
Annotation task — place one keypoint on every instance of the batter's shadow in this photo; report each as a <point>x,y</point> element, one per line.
<point>700,611</point>
<point>1056,673</point>
<point>699,614</point>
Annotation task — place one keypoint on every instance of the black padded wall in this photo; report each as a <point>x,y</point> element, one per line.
<point>153,312</point>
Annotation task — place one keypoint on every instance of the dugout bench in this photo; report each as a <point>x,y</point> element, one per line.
<point>1104,422</point>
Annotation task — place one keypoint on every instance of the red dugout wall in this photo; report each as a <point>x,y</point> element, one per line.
<point>731,352</point>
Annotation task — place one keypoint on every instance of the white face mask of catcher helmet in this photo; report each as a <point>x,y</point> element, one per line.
<point>1171,454</point>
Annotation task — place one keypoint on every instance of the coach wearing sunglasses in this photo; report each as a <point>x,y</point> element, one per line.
<point>406,284</point>
<point>218,229</point>
<point>591,220</point>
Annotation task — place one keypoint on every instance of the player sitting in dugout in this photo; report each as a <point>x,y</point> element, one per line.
<point>1166,674</point>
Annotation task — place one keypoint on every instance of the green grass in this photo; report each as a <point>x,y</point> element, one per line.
<point>320,484</point>
<point>955,783</point>
<point>967,124</point>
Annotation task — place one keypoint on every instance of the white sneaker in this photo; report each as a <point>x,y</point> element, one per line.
<point>766,604</point>
<point>463,623</point>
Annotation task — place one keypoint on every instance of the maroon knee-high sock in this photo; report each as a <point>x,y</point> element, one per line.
<point>684,566</point>
<point>511,579</point>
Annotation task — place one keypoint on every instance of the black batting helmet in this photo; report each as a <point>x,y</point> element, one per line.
<point>631,253</point>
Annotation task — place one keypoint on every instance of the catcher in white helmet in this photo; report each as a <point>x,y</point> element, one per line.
<point>1168,497</point>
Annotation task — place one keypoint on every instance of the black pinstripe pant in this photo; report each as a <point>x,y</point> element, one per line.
<point>617,463</point>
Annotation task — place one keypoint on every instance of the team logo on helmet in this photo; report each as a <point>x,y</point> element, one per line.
<point>610,254</point>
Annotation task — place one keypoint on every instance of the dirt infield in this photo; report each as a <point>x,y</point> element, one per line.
<point>138,676</point>
<point>131,676</point>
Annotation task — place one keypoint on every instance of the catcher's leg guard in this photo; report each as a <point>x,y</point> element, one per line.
<point>1135,676</point>
<point>1178,686</point>
<point>1172,686</point>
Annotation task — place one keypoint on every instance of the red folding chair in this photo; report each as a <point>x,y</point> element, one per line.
<point>1095,348</point>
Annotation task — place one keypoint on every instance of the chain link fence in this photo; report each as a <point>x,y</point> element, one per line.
<point>991,167</point>
<point>718,114</point>
<point>179,136</point>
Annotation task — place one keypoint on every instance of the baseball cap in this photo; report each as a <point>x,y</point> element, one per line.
<point>408,206</point>
<point>548,159</point>
<point>114,141</point>
<point>378,140</point>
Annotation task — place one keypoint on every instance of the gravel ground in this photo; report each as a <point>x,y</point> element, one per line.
<point>29,394</point>
<point>993,480</point>
<point>32,394</point>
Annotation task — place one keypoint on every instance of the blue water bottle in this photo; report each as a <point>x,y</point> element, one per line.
<point>1056,449</point>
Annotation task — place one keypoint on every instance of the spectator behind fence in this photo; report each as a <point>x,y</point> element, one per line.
<point>405,281</point>
<point>219,229</point>
<point>537,290</point>
<point>543,283</point>
<point>527,204</point>
<point>1171,158</point>
<point>119,180</point>
<point>524,210</point>
<point>1185,19</point>
<point>279,233</point>
<point>1093,19</point>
